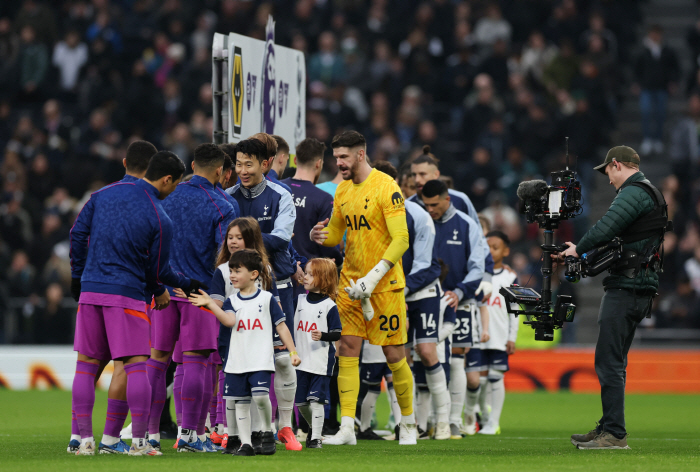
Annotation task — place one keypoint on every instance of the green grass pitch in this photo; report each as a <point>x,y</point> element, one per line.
<point>664,436</point>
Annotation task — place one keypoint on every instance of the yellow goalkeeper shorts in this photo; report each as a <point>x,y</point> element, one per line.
<point>387,328</point>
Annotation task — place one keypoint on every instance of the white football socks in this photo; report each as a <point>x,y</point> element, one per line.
<point>285,389</point>
<point>108,440</point>
<point>243,421</point>
<point>231,428</point>
<point>264,411</point>
<point>458,388</point>
<point>367,409</point>
<point>395,408</point>
<point>484,398</point>
<point>422,408</point>
<point>318,415</point>
<point>437,384</point>
<point>498,396</point>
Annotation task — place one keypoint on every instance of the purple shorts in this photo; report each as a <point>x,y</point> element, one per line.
<point>111,327</point>
<point>215,358</point>
<point>196,328</point>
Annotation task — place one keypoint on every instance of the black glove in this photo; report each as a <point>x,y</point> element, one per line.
<point>194,286</point>
<point>75,289</point>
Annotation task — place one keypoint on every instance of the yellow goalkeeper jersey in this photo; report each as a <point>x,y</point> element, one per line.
<point>363,210</point>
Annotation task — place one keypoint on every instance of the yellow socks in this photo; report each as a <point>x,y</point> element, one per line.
<point>349,384</point>
<point>403,386</point>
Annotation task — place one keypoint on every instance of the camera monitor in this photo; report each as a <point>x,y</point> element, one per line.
<point>517,294</point>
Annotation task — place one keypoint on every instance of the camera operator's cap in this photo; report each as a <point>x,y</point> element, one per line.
<point>620,154</point>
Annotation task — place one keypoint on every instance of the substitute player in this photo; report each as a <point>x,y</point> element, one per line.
<point>369,206</point>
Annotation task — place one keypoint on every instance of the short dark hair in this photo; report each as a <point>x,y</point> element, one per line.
<point>138,155</point>
<point>426,158</point>
<point>499,234</point>
<point>387,168</point>
<point>230,149</point>
<point>253,148</point>
<point>281,144</point>
<point>269,143</point>
<point>309,151</point>
<point>209,155</point>
<point>248,258</point>
<point>228,162</point>
<point>165,163</point>
<point>348,139</point>
<point>434,188</point>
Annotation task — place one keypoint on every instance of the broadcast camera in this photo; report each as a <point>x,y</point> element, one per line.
<point>547,205</point>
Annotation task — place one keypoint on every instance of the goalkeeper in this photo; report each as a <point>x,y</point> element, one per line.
<point>370,207</point>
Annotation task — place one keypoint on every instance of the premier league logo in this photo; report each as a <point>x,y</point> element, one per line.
<point>269,92</point>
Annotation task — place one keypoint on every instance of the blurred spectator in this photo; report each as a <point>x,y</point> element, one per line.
<point>517,168</point>
<point>53,322</point>
<point>480,176</point>
<point>492,27</point>
<point>326,65</point>
<point>536,56</point>
<point>656,74</point>
<point>69,56</point>
<point>684,148</point>
<point>34,63</point>
<point>679,309</point>
<point>20,275</point>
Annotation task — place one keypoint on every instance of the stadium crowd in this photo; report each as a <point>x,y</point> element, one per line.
<point>492,86</point>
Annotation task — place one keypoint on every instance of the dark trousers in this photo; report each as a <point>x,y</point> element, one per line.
<point>620,313</point>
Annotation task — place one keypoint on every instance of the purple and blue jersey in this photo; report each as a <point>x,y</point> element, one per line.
<point>128,235</point>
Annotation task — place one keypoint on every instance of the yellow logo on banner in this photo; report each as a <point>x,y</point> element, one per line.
<point>237,92</point>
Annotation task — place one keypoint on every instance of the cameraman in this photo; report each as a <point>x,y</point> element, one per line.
<point>634,213</point>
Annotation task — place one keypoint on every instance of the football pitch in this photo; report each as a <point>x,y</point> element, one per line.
<point>664,435</point>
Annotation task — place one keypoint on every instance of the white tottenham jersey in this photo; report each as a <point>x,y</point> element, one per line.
<point>372,354</point>
<point>250,349</point>
<point>503,326</point>
<point>317,357</point>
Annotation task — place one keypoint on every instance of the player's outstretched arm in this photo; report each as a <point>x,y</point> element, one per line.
<point>328,232</point>
<point>288,341</point>
<point>225,314</point>
<point>484,312</point>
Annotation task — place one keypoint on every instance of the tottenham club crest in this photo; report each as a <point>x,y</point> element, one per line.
<point>455,234</point>
<point>266,208</point>
<point>269,92</point>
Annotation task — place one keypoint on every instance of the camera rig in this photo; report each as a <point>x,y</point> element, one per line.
<point>546,205</point>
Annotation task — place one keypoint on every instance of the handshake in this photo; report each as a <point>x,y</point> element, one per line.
<point>363,288</point>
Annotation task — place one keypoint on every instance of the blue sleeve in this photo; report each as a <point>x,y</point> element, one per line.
<point>425,267</point>
<point>281,234</point>
<point>276,312</point>
<point>488,264</point>
<point>333,320</point>
<point>273,289</point>
<point>229,213</point>
<point>217,286</point>
<point>159,269</point>
<point>296,257</point>
<point>450,315</point>
<point>227,306</point>
<point>476,249</point>
<point>80,239</point>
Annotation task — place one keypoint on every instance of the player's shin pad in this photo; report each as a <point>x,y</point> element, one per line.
<point>403,386</point>
<point>348,384</point>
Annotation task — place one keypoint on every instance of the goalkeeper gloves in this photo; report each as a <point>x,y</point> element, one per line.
<point>366,285</point>
<point>367,310</point>
<point>75,289</point>
<point>194,286</point>
<point>484,287</point>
